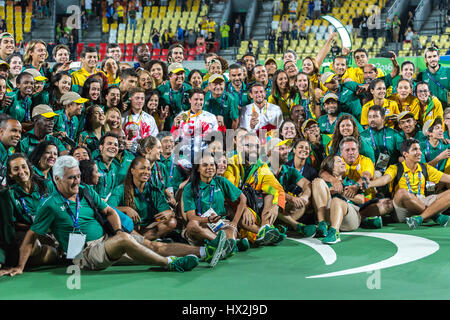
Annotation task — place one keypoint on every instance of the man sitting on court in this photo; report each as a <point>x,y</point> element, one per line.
<point>67,212</point>
<point>410,179</point>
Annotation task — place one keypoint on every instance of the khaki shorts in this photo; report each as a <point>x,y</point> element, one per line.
<point>351,220</point>
<point>402,213</point>
<point>94,255</point>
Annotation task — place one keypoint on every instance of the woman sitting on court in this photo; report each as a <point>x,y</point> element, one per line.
<point>341,211</point>
<point>143,202</point>
<point>205,201</point>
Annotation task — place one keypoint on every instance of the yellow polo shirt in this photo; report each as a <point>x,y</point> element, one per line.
<point>434,175</point>
<point>357,74</point>
<point>361,165</point>
<point>390,106</point>
<point>79,77</point>
<point>431,111</point>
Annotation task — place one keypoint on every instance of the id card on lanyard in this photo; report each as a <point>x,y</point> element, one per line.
<point>77,239</point>
<point>216,226</point>
<point>383,157</point>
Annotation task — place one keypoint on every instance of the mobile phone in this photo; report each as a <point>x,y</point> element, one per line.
<point>386,54</point>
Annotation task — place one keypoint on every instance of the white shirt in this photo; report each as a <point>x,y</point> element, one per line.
<point>269,114</point>
<point>146,123</point>
<point>198,125</point>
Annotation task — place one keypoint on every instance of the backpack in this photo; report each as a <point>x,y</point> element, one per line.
<point>400,170</point>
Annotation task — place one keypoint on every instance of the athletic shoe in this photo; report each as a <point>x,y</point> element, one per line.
<point>267,235</point>
<point>214,249</point>
<point>414,221</point>
<point>228,249</point>
<point>182,264</point>
<point>322,229</point>
<point>372,222</point>
<point>281,237</point>
<point>308,231</point>
<point>332,237</point>
<point>242,244</point>
<point>281,228</point>
<point>442,219</point>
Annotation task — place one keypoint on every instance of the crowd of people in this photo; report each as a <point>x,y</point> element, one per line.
<point>157,164</point>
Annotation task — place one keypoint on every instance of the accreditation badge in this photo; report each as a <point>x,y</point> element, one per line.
<point>76,245</point>
<point>382,162</point>
<point>213,226</point>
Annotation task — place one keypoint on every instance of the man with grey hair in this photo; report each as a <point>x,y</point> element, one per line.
<point>70,213</point>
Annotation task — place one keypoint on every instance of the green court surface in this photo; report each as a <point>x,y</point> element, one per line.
<point>274,273</point>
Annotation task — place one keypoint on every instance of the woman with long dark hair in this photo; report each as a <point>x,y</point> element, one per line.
<point>281,94</point>
<point>43,158</point>
<point>143,202</point>
<point>27,191</point>
<point>94,127</point>
<point>205,199</point>
<point>92,90</point>
<point>61,83</point>
<point>346,127</point>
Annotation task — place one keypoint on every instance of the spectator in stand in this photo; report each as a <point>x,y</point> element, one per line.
<point>302,29</point>
<point>272,38</point>
<point>294,29</point>
<point>274,25</point>
<point>396,23</point>
<point>356,22</point>
<point>310,13</point>
<point>388,28</point>
<point>285,9</point>
<point>285,28</point>
<point>280,43</point>
<point>132,16</point>
<point>408,35</point>
<point>200,48</point>
<point>364,26</point>
<point>120,12</point>
<point>2,25</point>
<point>155,39</point>
<point>110,14</point>
<point>415,44</point>
<point>191,37</point>
<point>276,7</point>
<point>210,42</point>
<point>225,33</point>
<point>317,8</point>
<point>166,40</point>
<point>180,33</point>
<point>410,22</point>
<point>293,9</point>
<point>237,32</point>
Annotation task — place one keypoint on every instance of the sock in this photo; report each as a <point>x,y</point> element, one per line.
<point>202,252</point>
<point>170,259</point>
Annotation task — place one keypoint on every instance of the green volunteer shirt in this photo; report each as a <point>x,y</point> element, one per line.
<point>224,106</point>
<point>4,155</point>
<point>26,204</point>
<point>48,181</point>
<point>92,142</point>
<point>318,151</point>
<point>20,107</point>
<point>108,178</point>
<point>419,136</point>
<point>174,171</point>
<point>348,100</point>
<point>63,123</point>
<point>221,189</point>
<point>123,162</point>
<point>53,215</point>
<point>30,141</point>
<point>440,85</point>
<point>288,177</point>
<point>240,96</point>
<point>327,127</point>
<point>177,101</point>
<point>148,204</point>
<point>159,177</point>
<point>393,82</point>
<point>386,141</point>
<point>429,153</point>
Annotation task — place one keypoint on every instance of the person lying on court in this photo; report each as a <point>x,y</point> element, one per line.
<point>67,212</point>
<point>413,185</point>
